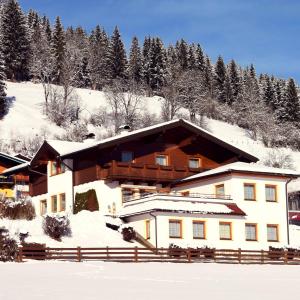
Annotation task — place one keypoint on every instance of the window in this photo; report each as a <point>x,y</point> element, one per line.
<point>147,229</point>
<point>220,190</point>
<point>294,204</point>
<point>272,233</point>
<point>43,207</point>
<point>127,156</point>
<point>62,202</point>
<point>175,229</point>
<point>225,231</point>
<point>271,193</point>
<point>249,191</point>
<point>251,232</point>
<point>198,230</point>
<point>54,203</point>
<point>161,160</point>
<point>57,168</point>
<point>194,163</point>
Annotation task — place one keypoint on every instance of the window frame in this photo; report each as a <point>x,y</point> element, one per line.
<point>230,227</point>
<point>195,159</point>
<point>43,201</point>
<point>147,230</point>
<point>217,186</point>
<point>132,156</point>
<point>277,232</point>
<point>59,169</point>
<point>180,228</point>
<point>271,186</point>
<point>204,229</point>
<point>52,203</point>
<point>162,155</point>
<point>256,232</point>
<point>254,191</point>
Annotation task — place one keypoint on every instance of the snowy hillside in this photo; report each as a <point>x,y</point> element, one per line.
<point>25,118</point>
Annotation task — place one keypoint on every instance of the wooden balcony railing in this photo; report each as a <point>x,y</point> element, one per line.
<point>135,171</point>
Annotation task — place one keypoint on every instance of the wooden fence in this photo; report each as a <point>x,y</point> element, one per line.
<point>160,255</point>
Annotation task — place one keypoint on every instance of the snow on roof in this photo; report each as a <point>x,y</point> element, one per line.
<point>16,168</point>
<point>16,159</point>
<point>65,146</point>
<point>128,134</point>
<point>160,203</point>
<point>243,167</point>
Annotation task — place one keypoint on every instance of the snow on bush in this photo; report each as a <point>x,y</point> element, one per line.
<point>8,246</point>
<point>128,233</point>
<point>57,227</point>
<point>21,209</point>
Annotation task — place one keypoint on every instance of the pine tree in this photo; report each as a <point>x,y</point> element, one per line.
<point>291,106</point>
<point>15,41</point>
<point>117,56</point>
<point>208,77</point>
<point>99,58</point>
<point>135,61</point>
<point>146,60</point>
<point>235,81</point>
<point>220,77</point>
<point>182,54</point>
<point>200,59</point>
<point>269,93</point>
<point>58,49</point>
<point>192,58</point>
<point>2,89</point>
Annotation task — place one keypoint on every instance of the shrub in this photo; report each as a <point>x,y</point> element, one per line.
<point>176,251</point>
<point>128,234</point>
<point>86,201</point>
<point>275,253</point>
<point>56,227</point>
<point>21,209</point>
<point>8,246</point>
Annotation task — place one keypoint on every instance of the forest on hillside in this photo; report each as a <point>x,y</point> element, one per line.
<point>61,59</point>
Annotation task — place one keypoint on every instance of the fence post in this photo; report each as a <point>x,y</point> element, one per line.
<point>239,255</point>
<point>107,253</point>
<point>20,255</point>
<point>78,254</point>
<point>136,254</point>
<point>285,257</point>
<point>262,256</point>
<point>189,256</point>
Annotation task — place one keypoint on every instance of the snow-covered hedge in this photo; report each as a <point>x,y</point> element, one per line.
<point>21,209</point>
<point>57,226</point>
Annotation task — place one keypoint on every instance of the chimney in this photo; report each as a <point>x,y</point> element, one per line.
<point>124,129</point>
<point>89,138</point>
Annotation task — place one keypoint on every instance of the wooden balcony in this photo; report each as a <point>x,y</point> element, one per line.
<point>145,172</point>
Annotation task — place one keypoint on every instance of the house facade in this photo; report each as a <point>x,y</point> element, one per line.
<point>16,186</point>
<point>173,182</point>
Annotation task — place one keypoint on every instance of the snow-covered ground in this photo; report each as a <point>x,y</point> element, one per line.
<point>111,281</point>
<point>88,230</point>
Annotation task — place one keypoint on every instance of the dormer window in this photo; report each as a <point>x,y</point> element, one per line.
<point>127,156</point>
<point>194,163</point>
<point>57,168</point>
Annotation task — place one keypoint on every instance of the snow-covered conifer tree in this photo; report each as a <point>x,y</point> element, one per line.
<point>135,61</point>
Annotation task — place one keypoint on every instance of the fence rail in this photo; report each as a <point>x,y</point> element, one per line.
<point>160,255</point>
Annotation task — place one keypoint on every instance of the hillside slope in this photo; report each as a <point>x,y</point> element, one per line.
<point>26,118</point>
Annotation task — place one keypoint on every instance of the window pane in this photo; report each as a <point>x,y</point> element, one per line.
<point>147,229</point>
<point>54,168</point>
<point>43,207</point>
<point>161,160</point>
<point>127,156</point>
<point>249,192</point>
<point>250,232</point>
<point>54,203</point>
<point>272,233</point>
<point>270,193</point>
<point>198,230</point>
<point>225,232</point>
<point>194,163</point>
<point>220,189</point>
<point>174,229</point>
<point>62,202</point>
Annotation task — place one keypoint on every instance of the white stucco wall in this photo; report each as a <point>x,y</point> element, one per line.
<point>260,211</point>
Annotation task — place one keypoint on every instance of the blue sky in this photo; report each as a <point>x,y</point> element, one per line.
<point>262,32</point>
